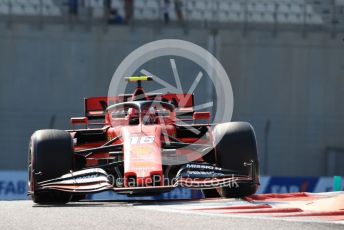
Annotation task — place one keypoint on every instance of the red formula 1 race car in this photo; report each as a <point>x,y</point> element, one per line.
<point>141,148</point>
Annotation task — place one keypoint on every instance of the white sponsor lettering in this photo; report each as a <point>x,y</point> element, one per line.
<point>141,140</point>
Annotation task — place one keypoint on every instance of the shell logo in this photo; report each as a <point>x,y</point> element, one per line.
<point>147,164</point>
<point>142,150</point>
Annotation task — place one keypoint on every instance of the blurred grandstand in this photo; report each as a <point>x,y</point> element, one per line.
<point>322,14</point>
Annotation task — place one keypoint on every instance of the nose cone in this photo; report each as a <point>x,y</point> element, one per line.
<point>142,155</point>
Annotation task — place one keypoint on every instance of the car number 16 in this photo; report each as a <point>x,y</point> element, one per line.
<point>142,140</point>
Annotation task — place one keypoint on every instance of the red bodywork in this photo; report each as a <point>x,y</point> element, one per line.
<point>142,153</point>
<point>138,144</point>
<point>142,144</point>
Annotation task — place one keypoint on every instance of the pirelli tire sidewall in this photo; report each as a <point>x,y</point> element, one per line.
<point>50,156</point>
<point>236,144</point>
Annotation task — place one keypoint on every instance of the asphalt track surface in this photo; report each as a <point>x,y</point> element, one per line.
<point>134,215</point>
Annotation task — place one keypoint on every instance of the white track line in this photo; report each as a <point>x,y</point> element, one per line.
<point>169,208</point>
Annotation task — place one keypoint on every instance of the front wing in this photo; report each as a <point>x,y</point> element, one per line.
<point>191,175</point>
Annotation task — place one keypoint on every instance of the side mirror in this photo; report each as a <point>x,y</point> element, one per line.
<point>79,121</point>
<point>201,116</point>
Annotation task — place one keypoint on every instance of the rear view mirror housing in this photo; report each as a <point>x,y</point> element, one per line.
<point>201,116</point>
<point>79,121</point>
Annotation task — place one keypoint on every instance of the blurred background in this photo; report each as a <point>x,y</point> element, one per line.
<point>285,60</point>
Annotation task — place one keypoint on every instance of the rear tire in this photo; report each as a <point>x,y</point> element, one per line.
<point>238,145</point>
<point>50,156</point>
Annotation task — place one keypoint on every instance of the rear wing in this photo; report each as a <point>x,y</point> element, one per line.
<point>95,107</point>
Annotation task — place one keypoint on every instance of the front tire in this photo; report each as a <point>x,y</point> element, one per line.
<point>50,156</point>
<point>236,144</point>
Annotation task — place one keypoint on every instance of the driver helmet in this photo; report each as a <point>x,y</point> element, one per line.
<point>150,116</point>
